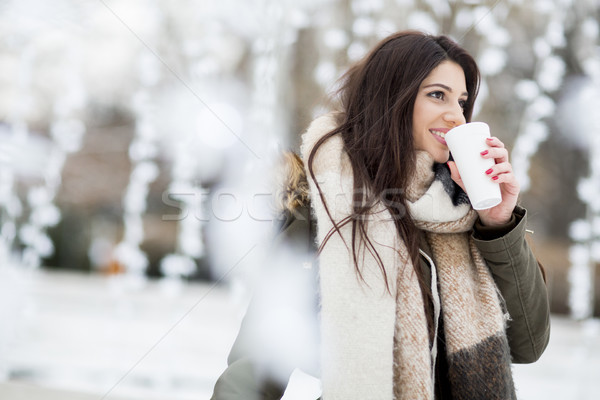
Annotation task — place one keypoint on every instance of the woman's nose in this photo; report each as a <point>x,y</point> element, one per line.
<point>455,115</point>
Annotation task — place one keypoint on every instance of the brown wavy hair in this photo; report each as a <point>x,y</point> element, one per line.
<point>377,96</point>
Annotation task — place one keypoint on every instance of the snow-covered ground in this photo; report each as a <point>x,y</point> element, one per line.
<point>84,337</point>
<point>570,366</point>
<point>99,335</point>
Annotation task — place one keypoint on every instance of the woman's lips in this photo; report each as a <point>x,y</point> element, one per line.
<point>439,135</point>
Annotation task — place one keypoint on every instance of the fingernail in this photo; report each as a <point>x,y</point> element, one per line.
<point>495,178</point>
<point>483,153</point>
<point>489,138</point>
<point>489,171</point>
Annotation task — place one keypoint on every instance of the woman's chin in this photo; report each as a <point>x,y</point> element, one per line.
<point>440,157</point>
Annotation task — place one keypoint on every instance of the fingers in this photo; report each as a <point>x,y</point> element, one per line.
<point>500,172</point>
<point>494,142</point>
<point>497,151</point>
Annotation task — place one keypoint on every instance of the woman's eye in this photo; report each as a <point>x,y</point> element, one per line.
<point>462,104</point>
<point>437,95</point>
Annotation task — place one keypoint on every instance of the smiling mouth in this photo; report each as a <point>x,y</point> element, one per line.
<point>438,133</point>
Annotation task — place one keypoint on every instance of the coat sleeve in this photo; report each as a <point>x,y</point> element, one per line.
<point>519,278</point>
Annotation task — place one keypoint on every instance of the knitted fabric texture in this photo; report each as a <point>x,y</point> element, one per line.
<point>376,345</point>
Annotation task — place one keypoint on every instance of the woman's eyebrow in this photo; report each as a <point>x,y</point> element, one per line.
<point>448,88</point>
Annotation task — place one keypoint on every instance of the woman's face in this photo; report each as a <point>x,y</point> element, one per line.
<point>439,108</point>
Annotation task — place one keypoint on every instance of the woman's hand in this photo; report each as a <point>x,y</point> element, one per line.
<point>503,174</point>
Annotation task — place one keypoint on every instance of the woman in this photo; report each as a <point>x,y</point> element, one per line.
<point>421,296</point>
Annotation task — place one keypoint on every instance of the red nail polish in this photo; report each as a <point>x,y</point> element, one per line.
<point>495,178</point>
<point>489,138</point>
<point>489,171</point>
<point>483,153</point>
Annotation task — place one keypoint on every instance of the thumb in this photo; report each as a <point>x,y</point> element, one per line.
<point>454,174</point>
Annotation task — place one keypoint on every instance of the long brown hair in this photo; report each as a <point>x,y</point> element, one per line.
<point>377,96</point>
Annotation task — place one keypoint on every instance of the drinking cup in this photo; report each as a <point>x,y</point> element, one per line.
<point>466,142</point>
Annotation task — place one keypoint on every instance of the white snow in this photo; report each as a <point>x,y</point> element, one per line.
<point>213,131</point>
<point>580,230</point>
<point>385,27</point>
<point>130,255</point>
<point>325,73</point>
<point>175,265</point>
<point>492,61</point>
<point>551,73</point>
<point>356,50</point>
<point>555,34</point>
<point>422,21</point>
<point>464,18</point>
<point>541,48</point>
<point>335,38</point>
<point>595,251</point>
<point>90,334</point>
<point>441,8</point>
<point>569,367</point>
<point>366,6</point>
<point>363,26</point>
<point>590,28</point>
<point>35,238</point>
<point>68,134</point>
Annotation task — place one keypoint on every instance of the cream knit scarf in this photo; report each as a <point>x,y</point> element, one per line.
<point>376,346</point>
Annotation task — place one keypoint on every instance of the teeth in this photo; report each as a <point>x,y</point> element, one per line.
<point>438,133</point>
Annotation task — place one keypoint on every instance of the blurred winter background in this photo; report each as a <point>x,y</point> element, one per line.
<point>135,145</point>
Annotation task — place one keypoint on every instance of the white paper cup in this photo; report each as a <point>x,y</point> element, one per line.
<point>466,142</point>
